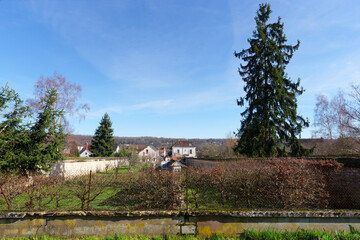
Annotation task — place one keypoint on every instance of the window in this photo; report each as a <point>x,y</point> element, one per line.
<point>190,151</point>
<point>147,151</point>
<point>178,151</point>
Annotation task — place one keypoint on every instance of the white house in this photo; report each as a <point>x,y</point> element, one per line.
<point>85,152</point>
<point>149,153</point>
<point>184,148</point>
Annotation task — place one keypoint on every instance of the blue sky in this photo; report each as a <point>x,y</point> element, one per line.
<point>166,68</point>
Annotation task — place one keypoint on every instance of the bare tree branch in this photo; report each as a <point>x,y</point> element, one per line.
<point>68,96</point>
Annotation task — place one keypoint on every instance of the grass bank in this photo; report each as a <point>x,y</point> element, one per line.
<point>248,235</point>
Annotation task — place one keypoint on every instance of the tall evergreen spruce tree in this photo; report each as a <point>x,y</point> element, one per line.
<point>103,142</point>
<point>270,123</point>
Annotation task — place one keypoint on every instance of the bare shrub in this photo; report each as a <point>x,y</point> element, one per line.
<point>301,183</point>
<point>12,186</point>
<point>195,184</point>
<point>249,186</point>
<point>43,193</point>
<point>243,184</point>
<point>79,187</point>
<point>147,190</point>
<point>331,170</point>
<point>220,181</point>
<point>228,185</point>
<point>279,184</point>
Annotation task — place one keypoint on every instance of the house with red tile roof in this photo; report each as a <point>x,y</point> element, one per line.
<point>85,152</point>
<point>184,148</point>
<point>162,152</point>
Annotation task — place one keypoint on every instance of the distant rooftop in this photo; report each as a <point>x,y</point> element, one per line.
<point>183,143</point>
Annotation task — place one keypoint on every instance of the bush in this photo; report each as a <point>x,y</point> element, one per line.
<point>243,184</point>
<point>43,193</point>
<point>78,187</point>
<point>279,184</point>
<point>148,189</point>
<point>12,186</point>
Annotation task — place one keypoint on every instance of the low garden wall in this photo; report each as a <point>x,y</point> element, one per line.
<point>160,223</point>
<point>75,167</point>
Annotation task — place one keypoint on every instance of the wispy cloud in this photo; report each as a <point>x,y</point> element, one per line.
<point>217,98</point>
<point>147,52</point>
<point>120,109</point>
<point>339,74</point>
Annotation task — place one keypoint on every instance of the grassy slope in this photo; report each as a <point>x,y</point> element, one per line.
<point>263,235</point>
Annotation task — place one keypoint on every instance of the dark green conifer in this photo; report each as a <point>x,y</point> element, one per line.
<point>12,130</point>
<point>103,142</point>
<point>270,123</point>
<point>46,139</point>
<point>31,148</point>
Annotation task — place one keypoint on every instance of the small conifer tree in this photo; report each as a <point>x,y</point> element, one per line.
<point>103,142</point>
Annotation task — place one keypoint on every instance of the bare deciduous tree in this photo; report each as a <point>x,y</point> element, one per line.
<point>331,117</point>
<point>354,110</point>
<point>219,150</point>
<point>323,119</point>
<point>341,116</point>
<point>339,119</point>
<point>68,96</point>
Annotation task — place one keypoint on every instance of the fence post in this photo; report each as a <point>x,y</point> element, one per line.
<point>88,202</point>
<point>186,190</point>
<point>7,202</point>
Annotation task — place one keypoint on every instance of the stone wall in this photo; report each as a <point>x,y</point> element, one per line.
<point>160,223</point>
<point>70,168</point>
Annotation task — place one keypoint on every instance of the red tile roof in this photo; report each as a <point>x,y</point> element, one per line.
<point>161,150</point>
<point>184,143</point>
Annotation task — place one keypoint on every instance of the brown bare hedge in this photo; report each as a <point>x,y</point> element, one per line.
<point>146,190</point>
<point>246,184</point>
<point>267,184</point>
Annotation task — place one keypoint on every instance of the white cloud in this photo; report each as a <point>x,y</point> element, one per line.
<point>340,74</point>
<point>216,98</point>
<point>120,109</point>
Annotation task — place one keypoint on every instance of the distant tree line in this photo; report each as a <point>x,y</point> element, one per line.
<point>155,141</point>
<point>218,150</point>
